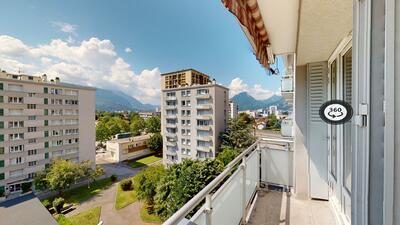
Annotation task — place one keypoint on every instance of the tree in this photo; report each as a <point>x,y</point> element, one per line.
<point>62,174</point>
<point>273,122</point>
<point>238,135</point>
<point>40,181</point>
<point>156,142</point>
<point>137,125</point>
<point>227,155</point>
<point>183,181</point>
<point>117,125</point>
<point>145,184</point>
<point>86,170</point>
<point>153,124</point>
<point>102,132</point>
<point>245,118</point>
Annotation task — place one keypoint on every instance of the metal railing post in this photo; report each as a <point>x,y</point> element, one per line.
<point>208,209</point>
<point>243,167</point>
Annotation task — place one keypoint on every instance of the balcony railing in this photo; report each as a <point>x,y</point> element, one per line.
<point>228,200</point>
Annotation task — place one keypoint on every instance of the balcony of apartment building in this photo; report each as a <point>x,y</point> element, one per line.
<point>255,188</point>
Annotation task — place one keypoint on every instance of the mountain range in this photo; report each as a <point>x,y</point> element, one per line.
<point>111,100</point>
<point>246,102</point>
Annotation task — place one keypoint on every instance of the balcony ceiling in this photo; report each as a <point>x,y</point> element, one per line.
<point>323,24</point>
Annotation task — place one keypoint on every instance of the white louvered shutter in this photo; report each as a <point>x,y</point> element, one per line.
<point>317,129</point>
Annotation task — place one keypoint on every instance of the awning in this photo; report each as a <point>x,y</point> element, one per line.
<point>248,14</point>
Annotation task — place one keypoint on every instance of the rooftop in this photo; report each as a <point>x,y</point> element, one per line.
<point>183,70</point>
<point>25,210</point>
<point>40,80</point>
<point>130,139</point>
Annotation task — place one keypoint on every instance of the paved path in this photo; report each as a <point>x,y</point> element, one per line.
<point>129,215</point>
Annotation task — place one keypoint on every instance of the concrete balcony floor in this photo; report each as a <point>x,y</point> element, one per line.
<point>280,208</point>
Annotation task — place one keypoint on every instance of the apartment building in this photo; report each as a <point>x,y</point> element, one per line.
<point>233,109</point>
<point>42,120</point>
<point>193,113</point>
<point>128,148</point>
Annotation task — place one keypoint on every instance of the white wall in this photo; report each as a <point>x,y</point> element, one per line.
<point>87,130</point>
<point>301,157</point>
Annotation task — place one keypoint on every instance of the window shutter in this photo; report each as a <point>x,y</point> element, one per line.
<point>317,74</point>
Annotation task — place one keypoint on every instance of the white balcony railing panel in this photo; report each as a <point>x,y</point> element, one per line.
<point>277,162</point>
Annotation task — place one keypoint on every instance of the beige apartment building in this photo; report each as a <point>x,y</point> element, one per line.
<point>194,110</point>
<point>42,120</point>
<point>128,148</point>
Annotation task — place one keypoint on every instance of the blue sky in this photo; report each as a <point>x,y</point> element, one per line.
<point>108,44</point>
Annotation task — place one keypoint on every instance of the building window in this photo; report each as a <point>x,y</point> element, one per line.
<point>31,106</point>
<point>1,150</point>
<point>33,163</point>
<point>1,163</point>
<point>31,117</point>
<point>32,152</point>
<point>46,155</point>
<point>1,137</point>
<point>46,122</point>
<point>1,112</point>
<point>1,124</point>
<point>46,112</point>
<point>32,140</point>
<point>46,144</point>
<point>46,101</point>
<point>1,86</point>
<point>1,99</point>
<point>46,133</point>
<point>46,90</point>
<point>1,176</point>
<point>31,129</point>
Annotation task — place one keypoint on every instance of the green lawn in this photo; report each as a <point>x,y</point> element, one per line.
<point>88,217</point>
<point>144,161</point>
<point>124,198</point>
<point>148,218</point>
<point>83,193</point>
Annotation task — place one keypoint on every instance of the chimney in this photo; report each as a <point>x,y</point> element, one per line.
<point>44,78</point>
<point>57,80</point>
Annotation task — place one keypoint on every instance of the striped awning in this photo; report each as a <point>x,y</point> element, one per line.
<point>248,14</point>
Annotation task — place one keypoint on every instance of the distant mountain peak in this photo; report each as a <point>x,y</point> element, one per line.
<point>115,100</point>
<point>247,102</point>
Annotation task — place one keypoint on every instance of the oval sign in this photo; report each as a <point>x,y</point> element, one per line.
<point>336,112</point>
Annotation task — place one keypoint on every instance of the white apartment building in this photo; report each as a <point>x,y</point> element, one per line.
<point>273,110</point>
<point>41,120</point>
<point>193,113</point>
<point>233,109</point>
<point>128,148</point>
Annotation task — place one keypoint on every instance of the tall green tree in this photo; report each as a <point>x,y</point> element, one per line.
<point>153,124</point>
<point>238,135</point>
<point>183,181</point>
<point>156,142</point>
<point>227,155</point>
<point>102,132</point>
<point>137,125</point>
<point>62,174</point>
<point>145,184</point>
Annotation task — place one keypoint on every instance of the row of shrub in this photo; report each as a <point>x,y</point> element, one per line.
<point>57,204</point>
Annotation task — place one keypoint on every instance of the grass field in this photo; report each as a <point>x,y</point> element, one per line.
<point>144,161</point>
<point>148,218</point>
<point>124,198</point>
<point>83,193</point>
<point>88,217</point>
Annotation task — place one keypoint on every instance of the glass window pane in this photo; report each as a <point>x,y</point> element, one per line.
<point>347,151</point>
<point>333,87</point>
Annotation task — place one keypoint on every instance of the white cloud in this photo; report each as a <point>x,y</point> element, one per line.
<point>237,86</point>
<point>128,50</point>
<point>65,27</point>
<point>91,62</point>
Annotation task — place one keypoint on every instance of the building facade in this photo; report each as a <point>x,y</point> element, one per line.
<point>128,148</point>
<point>42,120</point>
<point>192,116</point>
<point>233,109</point>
